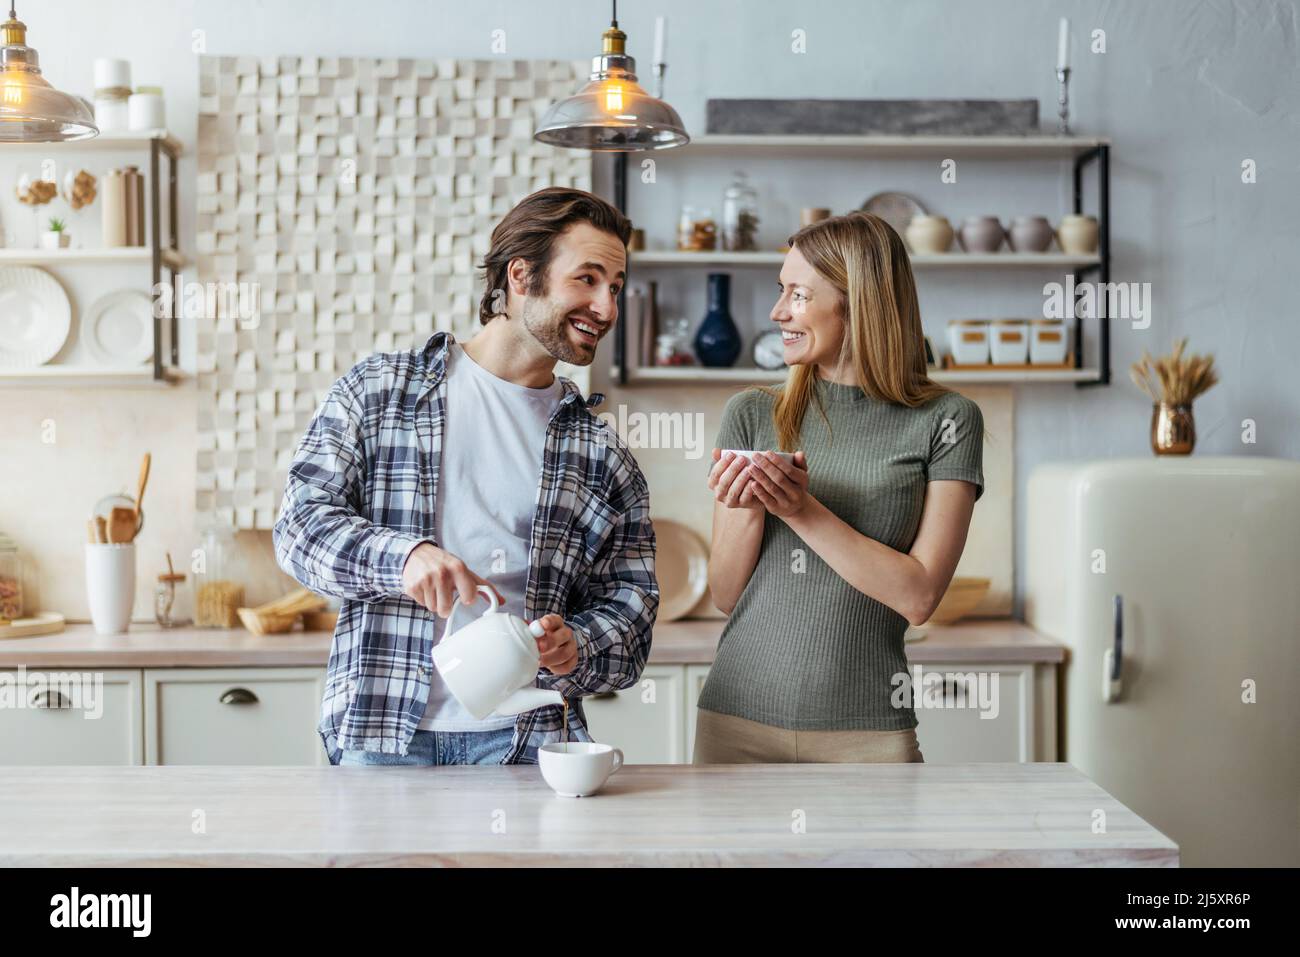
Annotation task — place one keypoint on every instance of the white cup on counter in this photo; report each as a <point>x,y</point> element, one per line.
<point>578,768</point>
<point>110,586</point>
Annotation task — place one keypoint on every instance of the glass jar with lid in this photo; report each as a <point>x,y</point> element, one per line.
<point>696,230</point>
<point>11,580</point>
<point>740,216</point>
<point>673,347</point>
<point>219,576</point>
<point>166,610</point>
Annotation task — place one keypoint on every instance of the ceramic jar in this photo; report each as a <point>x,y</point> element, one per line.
<point>1030,234</point>
<point>929,234</point>
<point>1047,342</point>
<point>1077,235</point>
<point>1009,342</point>
<point>981,234</point>
<point>968,341</point>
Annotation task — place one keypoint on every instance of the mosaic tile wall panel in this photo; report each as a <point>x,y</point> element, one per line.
<point>342,207</point>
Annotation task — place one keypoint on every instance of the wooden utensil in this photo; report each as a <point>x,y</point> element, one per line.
<point>91,535</point>
<point>121,525</point>
<point>139,495</point>
<point>101,529</point>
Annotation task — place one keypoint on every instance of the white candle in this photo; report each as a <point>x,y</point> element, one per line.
<point>1063,46</point>
<point>659,40</point>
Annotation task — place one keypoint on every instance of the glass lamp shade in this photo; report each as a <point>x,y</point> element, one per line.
<point>612,111</point>
<point>32,111</point>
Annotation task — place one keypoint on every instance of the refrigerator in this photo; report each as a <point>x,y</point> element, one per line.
<point>1174,582</point>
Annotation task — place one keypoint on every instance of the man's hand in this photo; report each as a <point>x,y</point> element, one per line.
<point>435,578</point>
<point>558,647</point>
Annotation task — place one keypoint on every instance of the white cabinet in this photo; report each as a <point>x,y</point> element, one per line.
<point>68,717</point>
<point>264,716</point>
<point>646,721</point>
<point>1021,729</point>
<point>695,675</point>
<point>976,712</point>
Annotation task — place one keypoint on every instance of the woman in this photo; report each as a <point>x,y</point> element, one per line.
<point>823,561</point>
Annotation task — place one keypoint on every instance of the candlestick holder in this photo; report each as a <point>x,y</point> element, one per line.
<point>1063,101</point>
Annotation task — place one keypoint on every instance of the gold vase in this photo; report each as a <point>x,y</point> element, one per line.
<point>1173,430</point>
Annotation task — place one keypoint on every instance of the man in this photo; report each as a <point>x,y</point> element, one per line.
<point>427,473</point>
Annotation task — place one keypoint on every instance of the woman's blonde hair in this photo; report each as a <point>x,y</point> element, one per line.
<point>865,260</point>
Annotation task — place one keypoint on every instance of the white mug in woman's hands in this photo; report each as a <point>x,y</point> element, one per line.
<point>728,481</point>
<point>779,481</point>
<point>729,478</point>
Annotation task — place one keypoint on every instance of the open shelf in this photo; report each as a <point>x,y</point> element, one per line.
<point>994,147</point>
<point>89,377</point>
<point>127,140</point>
<point>953,260</point>
<point>702,375</point>
<point>58,257</point>
<point>1079,152</point>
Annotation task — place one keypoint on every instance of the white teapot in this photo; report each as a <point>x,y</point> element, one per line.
<point>490,664</point>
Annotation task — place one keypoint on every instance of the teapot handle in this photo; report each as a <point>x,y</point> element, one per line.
<point>482,589</point>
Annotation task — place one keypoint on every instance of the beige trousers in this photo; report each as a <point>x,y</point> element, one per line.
<point>727,739</point>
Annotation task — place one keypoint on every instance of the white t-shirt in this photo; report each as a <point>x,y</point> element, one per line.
<point>493,436</point>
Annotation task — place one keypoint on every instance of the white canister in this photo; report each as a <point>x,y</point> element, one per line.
<point>146,109</point>
<point>968,341</point>
<point>110,586</point>
<point>112,113</point>
<point>111,73</point>
<point>1009,342</point>
<point>1047,342</point>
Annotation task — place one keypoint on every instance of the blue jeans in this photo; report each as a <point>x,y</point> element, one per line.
<point>431,748</point>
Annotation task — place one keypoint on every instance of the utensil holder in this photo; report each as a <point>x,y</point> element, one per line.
<point>110,586</point>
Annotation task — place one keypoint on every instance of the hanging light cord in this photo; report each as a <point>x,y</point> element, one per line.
<point>613,20</point>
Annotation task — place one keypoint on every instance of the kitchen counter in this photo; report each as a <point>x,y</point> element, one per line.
<point>851,814</point>
<point>991,640</point>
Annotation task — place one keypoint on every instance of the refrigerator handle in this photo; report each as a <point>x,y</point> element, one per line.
<point>1113,659</point>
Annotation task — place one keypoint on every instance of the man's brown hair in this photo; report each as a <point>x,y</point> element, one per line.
<point>529,230</point>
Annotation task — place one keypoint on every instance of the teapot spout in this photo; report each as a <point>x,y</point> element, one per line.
<point>526,699</point>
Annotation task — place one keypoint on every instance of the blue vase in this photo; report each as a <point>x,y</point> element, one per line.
<point>717,342</point>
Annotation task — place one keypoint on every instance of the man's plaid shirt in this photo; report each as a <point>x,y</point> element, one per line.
<point>360,497</point>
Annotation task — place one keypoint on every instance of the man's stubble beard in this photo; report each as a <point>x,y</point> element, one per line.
<point>550,327</point>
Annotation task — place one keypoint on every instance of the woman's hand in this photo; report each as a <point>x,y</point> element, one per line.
<point>782,488</point>
<point>728,481</point>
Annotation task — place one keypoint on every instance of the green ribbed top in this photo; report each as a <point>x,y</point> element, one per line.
<point>803,649</point>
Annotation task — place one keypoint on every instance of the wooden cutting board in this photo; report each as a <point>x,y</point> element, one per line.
<point>42,623</point>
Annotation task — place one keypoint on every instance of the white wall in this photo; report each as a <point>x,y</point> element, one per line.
<point>1186,92</point>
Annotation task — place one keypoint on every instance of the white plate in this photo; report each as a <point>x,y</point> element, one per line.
<point>35,317</point>
<point>682,567</point>
<point>118,328</point>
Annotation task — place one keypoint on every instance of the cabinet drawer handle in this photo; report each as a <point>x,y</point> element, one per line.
<point>239,696</point>
<point>49,699</point>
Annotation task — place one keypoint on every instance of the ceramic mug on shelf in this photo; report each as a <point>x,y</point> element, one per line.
<point>929,234</point>
<point>1030,234</point>
<point>1077,235</point>
<point>981,234</point>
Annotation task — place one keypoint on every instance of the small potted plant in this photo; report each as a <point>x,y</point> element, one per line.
<point>56,237</point>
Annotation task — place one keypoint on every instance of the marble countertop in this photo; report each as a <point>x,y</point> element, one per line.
<point>1015,815</point>
<point>996,640</point>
